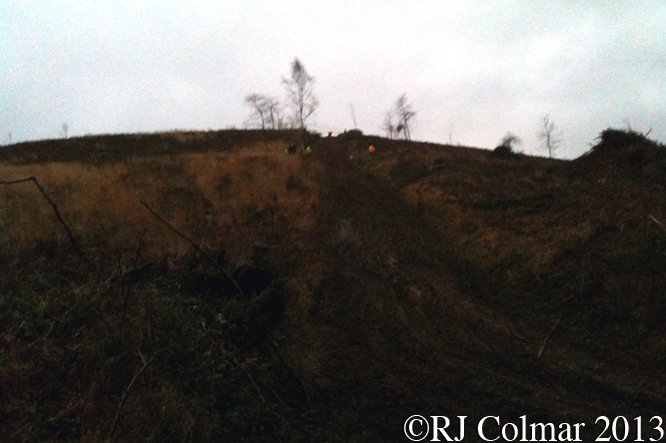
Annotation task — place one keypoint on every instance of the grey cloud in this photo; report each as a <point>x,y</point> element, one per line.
<point>484,67</point>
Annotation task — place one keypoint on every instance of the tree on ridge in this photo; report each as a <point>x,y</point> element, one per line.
<point>300,93</point>
<point>548,135</point>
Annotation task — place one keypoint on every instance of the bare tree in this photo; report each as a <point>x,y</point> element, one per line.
<point>351,107</point>
<point>266,112</point>
<point>549,136</point>
<point>299,90</point>
<point>275,114</point>
<point>258,116</point>
<point>65,127</point>
<point>388,124</point>
<point>405,113</point>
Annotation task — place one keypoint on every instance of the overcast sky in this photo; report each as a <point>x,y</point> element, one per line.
<point>472,70</point>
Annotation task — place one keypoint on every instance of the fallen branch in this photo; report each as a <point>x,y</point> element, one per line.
<point>550,334</point>
<point>194,245</point>
<point>55,210</point>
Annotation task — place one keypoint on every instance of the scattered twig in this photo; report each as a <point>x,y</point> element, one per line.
<point>131,388</point>
<point>194,245</point>
<point>660,224</point>
<point>136,270</point>
<point>138,248</point>
<point>513,331</point>
<point>55,210</point>
<point>550,334</point>
<point>272,390</point>
<point>570,299</point>
<point>537,277</point>
<point>274,205</point>
<point>242,368</point>
<point>127,392</point>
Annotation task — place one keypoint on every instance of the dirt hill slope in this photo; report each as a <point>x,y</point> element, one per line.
<point>330,296</point>
<point>396,332</point>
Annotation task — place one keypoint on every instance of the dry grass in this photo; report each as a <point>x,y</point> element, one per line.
<point>529,235</point>
<point>492,208</point>
<point>210,197</point>
<point>144,341</point>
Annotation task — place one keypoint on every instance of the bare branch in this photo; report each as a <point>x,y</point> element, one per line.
<point>300,93</point>
<point>388,125</point>
<point>266,112</point>
<point>550,334</point>
<point>405,114</point>
<point>660,224</point>
<point>55,210</point>
<point>548,134</point>
<point>131,388</point>
<point>351,107</point>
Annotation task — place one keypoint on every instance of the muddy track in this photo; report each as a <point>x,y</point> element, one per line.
<point>396,335</point>
<point>407,340</point>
